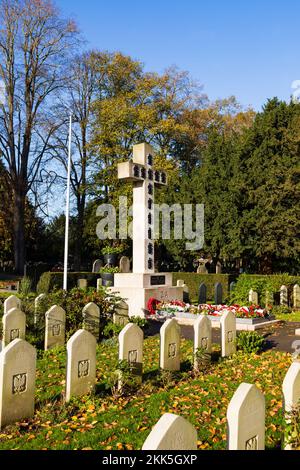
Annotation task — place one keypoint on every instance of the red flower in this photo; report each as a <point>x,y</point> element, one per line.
<point>152,304</point>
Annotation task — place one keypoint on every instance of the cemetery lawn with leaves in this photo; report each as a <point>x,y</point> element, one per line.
<point>102,421</point>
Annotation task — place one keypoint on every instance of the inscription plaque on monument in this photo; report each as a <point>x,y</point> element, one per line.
<point>158,280</point>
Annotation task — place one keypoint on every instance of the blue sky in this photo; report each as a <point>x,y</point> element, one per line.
<point>250,49</point>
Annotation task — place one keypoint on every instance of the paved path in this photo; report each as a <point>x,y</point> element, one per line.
<point>280,337</point>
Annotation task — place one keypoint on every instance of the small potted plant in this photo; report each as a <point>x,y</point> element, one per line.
<point>111,253</point>
<point>107,275</point>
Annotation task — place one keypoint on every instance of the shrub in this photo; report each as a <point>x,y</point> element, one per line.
<point>281,310</point>
<point>54,281</point>
<point>250,342</point>
<point>202,360</point>
<point>141,322</point>
<point>25,285</point>
<point>292,429</point>
<point>111,330</point>
<point>194,280</point>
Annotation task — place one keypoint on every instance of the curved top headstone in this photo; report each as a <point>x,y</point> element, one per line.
<point>172,432</point>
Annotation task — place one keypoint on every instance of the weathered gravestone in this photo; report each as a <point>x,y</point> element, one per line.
<point>82,284</point>
<point>14,326</point>
<point>246,419</point>
<point>218,294</point>
<point>172,432</point>
<point>228,334</point>
<point>202,339</point>
<point>99,284</point>
<point>17,382</point>
<point>131,348</point>
<point>55,327</point>
<point>38,302</point>
<point>202,294</point>
<point>218,268</point>
<point>284,299</point>
<point>291,387</point>
<point>81,364</point>
<point>91,319</point>
<point>170,346</point>
<point>253,297</point>
<point>124,265</point>
<point>11,302</point>
<point>269,300</point>
<point>97,265</point>
<point>186,292</point>
<point>121,313</point>
<point>296,296</point>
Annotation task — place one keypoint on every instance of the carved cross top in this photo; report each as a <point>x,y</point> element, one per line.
<point>140,171</point>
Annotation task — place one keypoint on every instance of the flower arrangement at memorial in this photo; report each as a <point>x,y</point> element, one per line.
<point>177,306</point>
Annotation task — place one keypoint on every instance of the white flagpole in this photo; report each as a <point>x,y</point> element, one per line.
<point>65,286</point>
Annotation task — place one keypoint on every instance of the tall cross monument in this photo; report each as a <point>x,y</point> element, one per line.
<point>140,171</point>
<point>137,287</point>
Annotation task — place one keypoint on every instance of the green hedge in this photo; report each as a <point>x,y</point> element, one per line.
<point>51,281</point>
<point>261,284</point>
<point>194,280</point>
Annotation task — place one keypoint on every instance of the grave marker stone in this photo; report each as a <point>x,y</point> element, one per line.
<point>14,326</point>
<point>170,346</point>
<point>121,314</point>
<point>172,432</point>
<point>218,294</point>
<point>124,265</point>
<point>246,419</point>
<point>218,268</point>
<point>99,284</point>
<point>97,265</point>
<point>17,382</point>
<point>82,284</point>
<point>284,299</point>
<point>202,337</point>
<point>131,348</point>
<point>296,296</point>
<point>202,294</point>
<point>91,319</point>
<point>55,327</point>
<point>253,297</point>
<point>291,387</point>
<point>81,364</point>
<point>228,334</point>
<point>37,307</point>
<point>11,302</point>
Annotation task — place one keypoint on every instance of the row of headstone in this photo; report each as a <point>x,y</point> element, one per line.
<point>245,419</point>
<point>283,297</point>
<point>18,371</point>
<point>218,294</point>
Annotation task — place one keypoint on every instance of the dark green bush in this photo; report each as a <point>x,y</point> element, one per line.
<point>54,281</point>
<point>194,280</point>
<point>250,342</point>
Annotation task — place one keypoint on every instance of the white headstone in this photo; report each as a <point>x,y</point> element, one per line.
<point>246,419</point>
<point>91,319</point>
<point>37,307</point>
<point>99,284</point>
<point>131,347</point>
<point>170,346</point>
<point>17,382</point>
<point>284,300</point>
<point>291,387</point>
<point>81,364</point>
<point>296,296</point>
<point>297,332</point>
<point>121,313</point>
<point>11,302</point>
<point>14,326</point>
<point>172,432</point>
<point>124,265</point>
<point>82,283</point>
<point>253,297</point>
<point>55,327</point>
<point>228,334</point>
<point>202,337</point>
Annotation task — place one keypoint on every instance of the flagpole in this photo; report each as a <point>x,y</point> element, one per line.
<point>65,283</point>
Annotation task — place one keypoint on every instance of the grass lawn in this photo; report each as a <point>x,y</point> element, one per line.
<point>101,421</point>
<point>293,317</point>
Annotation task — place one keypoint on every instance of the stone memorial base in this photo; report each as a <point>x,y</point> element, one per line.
<point>242,324</point>
<point>137,289</point>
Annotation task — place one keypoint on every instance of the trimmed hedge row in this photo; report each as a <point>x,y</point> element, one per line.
<point>50,281</point>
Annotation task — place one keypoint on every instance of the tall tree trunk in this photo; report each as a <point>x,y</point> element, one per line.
<point>19,229</point>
